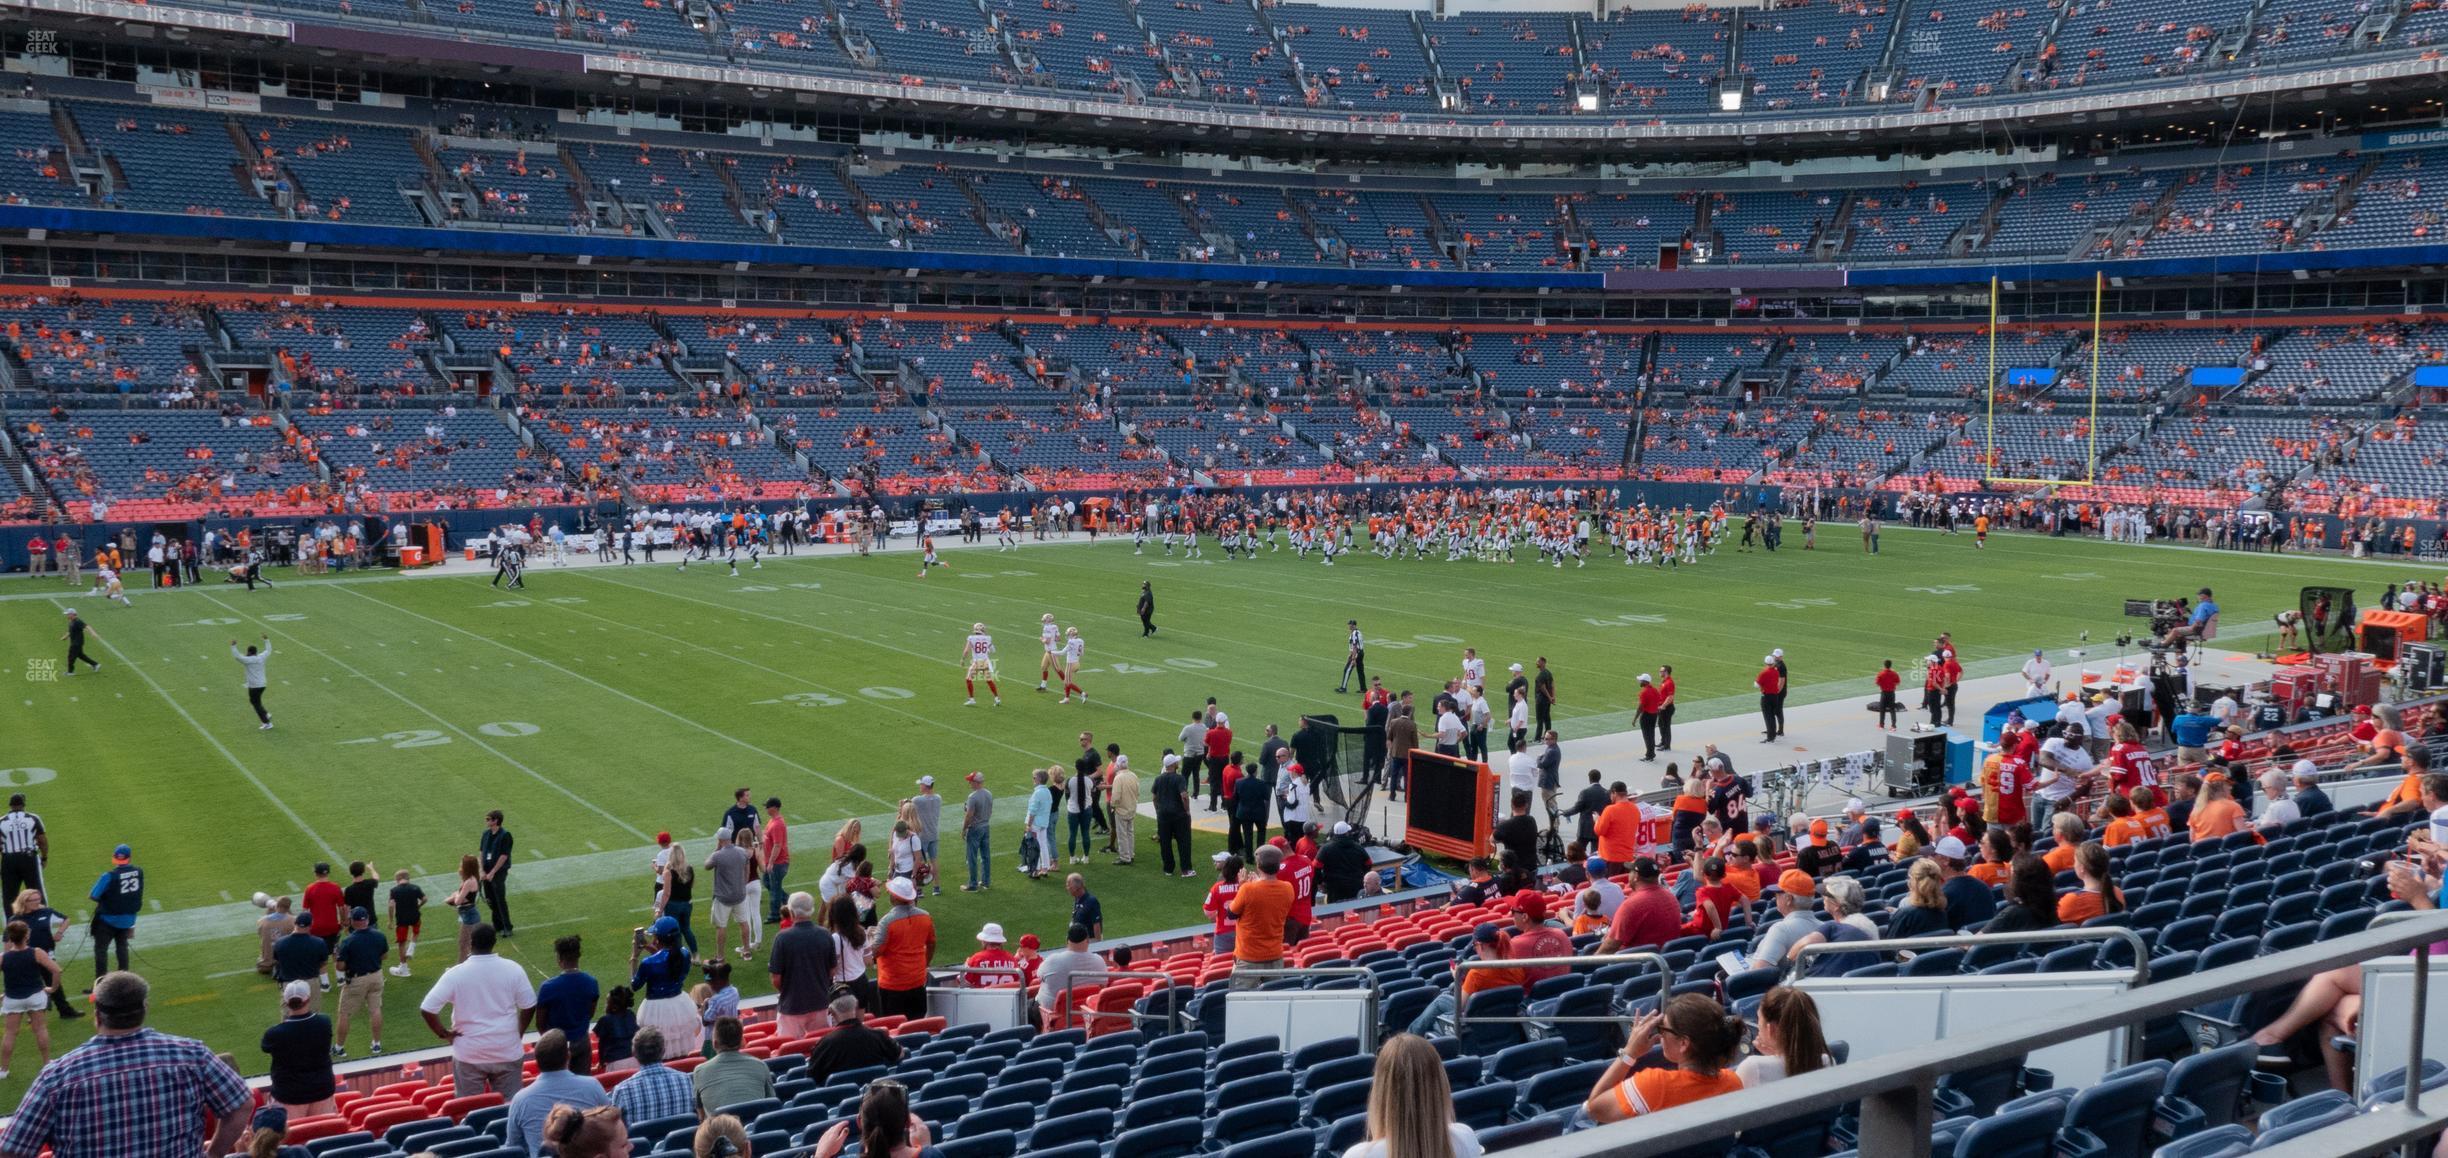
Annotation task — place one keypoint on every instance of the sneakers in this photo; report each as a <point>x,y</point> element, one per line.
<point>374,1050</point>
<point>266,726</point>
<point>399,971</point>
<point>326,984</point>
<point>339,1051</point>
<point>971,702</point>
<point>998,701</point>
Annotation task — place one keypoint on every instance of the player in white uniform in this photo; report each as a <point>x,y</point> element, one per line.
<point>107,582</point>
<point>1474,669</point>
<point>1049,637</point>
<point>1074,650</point>
<point>980,650</point>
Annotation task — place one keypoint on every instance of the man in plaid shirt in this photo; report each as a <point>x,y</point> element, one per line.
<point>656,1090</point>
<point>129,1090</point>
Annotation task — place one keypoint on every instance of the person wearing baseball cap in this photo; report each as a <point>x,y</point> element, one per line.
<point>360,957</point>
<point>1968,901</point>
<point>1792,895</point>
<point>1819,855</point>
<point>118,897</point>
<point>2309,797</point>
<point>300,1046</point>
<point>1648,917</point>
<point>1534,937</point>
<point>1771,684</point>
<point>904,947</point>
<point>977,822</point>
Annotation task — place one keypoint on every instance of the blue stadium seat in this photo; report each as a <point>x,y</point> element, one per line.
<point>1283,1144</point>
<point>1557,1089</point>
<point>989,1144</point>
<point>1247,1066</point>
<point>1174,1138</point>
<point>1333,1103</point>
<point>1518,1063</point>
<point>1322,1051</point>
<point>1342,1069</point>
<point>2219,1142</point>
<point>1522,1133</point>
<point>1100,1077</point>
<point>1257,1120</point>
<point>1485,1106</point>
<point>1000,1118</point>
<point>1142,1111</point>
<point>1487,1037</point>
<point>2113,1115</point>
<point>1079,1101</point>
<point>1033,1093</point>
<point>1161,1085</point>
<point>2025,1132</point>
<point>1249,1090</point>
<point>1089,1126</point>
<point>2206,1090</point>
<point>1254,1045</point>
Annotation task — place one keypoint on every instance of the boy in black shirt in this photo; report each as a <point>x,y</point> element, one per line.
<point>407,913</point>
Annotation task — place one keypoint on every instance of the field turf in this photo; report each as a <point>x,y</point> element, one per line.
<point>600,706</point>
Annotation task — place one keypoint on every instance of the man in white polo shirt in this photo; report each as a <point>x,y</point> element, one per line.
<point>491,1003</point>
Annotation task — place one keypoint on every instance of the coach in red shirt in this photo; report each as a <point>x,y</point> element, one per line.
<point>1888,681</point>
<point>1650,701</point>
<point>1771,683</point>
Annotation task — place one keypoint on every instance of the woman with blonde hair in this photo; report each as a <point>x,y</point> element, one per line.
<point>848,837</point>
<point>721,1136</point>
<point>1924,912</point>
<point>597,1132</point>
<point>464,898</point>
<point>1410,1106</point>
<point>1699,1039</point>
<point>677,898</point>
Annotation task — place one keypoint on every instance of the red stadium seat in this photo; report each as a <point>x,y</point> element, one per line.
<point>607,1081</point>
<point>306,1130</point>
<point>403,1089</point>
<point>367,1107</point>
<point>382,1120</point>
<point>457,1109</point>
<point>1113,1006</point>
<point>922,1025</point>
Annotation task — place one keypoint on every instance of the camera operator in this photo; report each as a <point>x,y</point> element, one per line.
<point>2201,623</point>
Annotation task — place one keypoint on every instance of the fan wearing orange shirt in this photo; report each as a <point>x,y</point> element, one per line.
<point>1618,830</point>
<point>2216,814</point>
<point>2150,814</point>
<point>2098,894</point>
<point>1997,857</point>
<point>1260,909</point>
<point>2068,829</point>
<point>2123,829</point>
<point>1699,1039</point>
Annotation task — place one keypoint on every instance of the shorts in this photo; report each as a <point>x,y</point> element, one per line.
<point>793,1026</point>
<point>981,669</point>
<point>362,995</point>
<point>402,934</point>
<point>35,1004</point>
<point>724,913</point>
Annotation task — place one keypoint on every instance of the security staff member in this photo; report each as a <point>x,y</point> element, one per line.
<point>1355,661</point>
<point>75,635</point>
<point>1147,609</point>
<point>118,897</point>
<point>24,849</point>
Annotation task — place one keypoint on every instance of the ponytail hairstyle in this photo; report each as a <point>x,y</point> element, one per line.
<point>265,1143</point>
<point>721,1136</point>
<point>1796,1018</point>
<point>883,1118</point>
<point>2092,858</point>
<point>589,1133</point>
<point>1711,1036</point>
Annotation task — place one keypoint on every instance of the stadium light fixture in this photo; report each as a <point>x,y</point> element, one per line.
<point>1729,100</point>
<point>1588,101</point>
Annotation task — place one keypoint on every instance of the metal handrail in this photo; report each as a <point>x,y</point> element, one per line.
<point>1975,940</point>
<point>2134,1034</point>
<point>1462,1019</point>
<point>1894,1090</point>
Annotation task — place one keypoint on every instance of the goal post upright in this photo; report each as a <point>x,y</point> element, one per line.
<point>2099,287</point>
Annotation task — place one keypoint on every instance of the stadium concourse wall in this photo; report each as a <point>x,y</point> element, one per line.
<point>54,220</point>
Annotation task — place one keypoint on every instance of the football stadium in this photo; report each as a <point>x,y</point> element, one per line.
<point>1605,579</point>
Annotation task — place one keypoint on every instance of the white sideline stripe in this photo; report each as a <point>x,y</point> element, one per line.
<point>649,705</point>
<point>429,713</point>
<point>849,696</point>
<point>329,853</point>
<point>232,921</point>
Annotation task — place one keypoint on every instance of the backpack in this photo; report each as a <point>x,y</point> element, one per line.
<point>1028,847</point>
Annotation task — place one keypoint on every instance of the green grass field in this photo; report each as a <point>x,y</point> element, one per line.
<point>602,705</point>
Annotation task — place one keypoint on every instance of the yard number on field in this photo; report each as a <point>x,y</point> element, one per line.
<point>434,738</point>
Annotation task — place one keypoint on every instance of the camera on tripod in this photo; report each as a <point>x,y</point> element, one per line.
<point>2165,615</point>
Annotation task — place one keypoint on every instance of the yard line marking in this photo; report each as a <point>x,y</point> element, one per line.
<point>429,713</point>
<point>227,973</point>
<point>800,679</point>
<point>935,659</point>
<point>648,705</point>
<point>329,852</point>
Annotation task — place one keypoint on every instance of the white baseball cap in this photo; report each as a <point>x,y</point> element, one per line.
<point>1778,653</point>
<point>1953,848</point>
<point>1342,829</point>
<point>2306,770</point>
<point>1855,805</point>
<point>926,782</point>
<point>1643,677</point>
<point>297,991</point>
<point>1169,761</point>
<point>1767,659</point>
<point>1515,667</point>
<point>1221,857</point>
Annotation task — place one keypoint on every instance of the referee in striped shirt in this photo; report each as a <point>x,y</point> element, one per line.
<point>24,849</point>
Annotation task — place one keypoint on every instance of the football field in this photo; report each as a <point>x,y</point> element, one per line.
<point>602,705</point>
